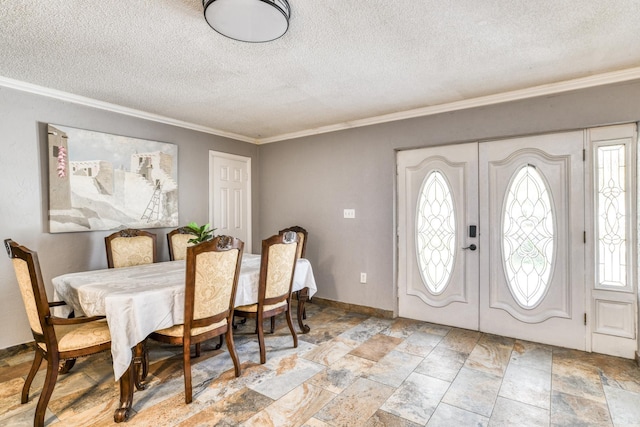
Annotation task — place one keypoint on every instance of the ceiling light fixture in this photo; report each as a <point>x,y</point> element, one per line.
<point>253,21</point>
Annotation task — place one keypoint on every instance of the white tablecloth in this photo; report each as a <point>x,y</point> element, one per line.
<point>142,299</point>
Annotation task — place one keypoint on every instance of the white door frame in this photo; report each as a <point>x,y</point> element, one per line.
<point>212,180</point>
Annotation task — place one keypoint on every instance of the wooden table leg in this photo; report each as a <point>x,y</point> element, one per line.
<point>127,383</point>
<point>303,296</point>
<point>133,378</point>
<point>141,364</point>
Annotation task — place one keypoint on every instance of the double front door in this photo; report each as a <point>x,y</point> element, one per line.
<point>491,237</point>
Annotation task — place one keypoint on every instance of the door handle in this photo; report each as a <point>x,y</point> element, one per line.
<point>471,247</point>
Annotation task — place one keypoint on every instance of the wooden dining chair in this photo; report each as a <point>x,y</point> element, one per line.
<point>277,266</point>
<point>129,247</point>
<point>59,341</point>
<point>212,271</point>
<point>178,241</point>
<point>302,249</point>
<point>302,237</point>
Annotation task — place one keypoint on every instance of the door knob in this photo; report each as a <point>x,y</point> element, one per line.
<point>471,247</point>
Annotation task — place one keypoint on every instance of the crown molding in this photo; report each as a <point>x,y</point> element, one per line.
<point>536,91</point>
<point>89,102</point>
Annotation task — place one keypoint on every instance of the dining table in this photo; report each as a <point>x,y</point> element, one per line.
<point>139,300</point>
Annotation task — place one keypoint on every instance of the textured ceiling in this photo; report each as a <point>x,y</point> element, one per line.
<point>341,62</point>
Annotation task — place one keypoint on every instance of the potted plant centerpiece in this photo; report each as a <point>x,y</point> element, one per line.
<point>201,233</point>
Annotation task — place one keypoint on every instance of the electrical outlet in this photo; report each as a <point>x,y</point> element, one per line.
<point>350,213</point>
<point>363,277</point>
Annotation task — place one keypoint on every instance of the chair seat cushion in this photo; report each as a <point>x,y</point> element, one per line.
<point>253,308</point>
<point>84,335</point>
<point>178,330</point>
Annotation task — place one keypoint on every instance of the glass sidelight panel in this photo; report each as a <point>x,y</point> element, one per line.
<point>435,232</point>
<point>528,237</point>
<point>611,215</point>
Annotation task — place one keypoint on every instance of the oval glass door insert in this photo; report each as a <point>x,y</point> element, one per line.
<point>435,232</point>
<point>528,237</point>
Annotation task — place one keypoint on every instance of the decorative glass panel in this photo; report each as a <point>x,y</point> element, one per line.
<point>612,231</point>
<point>528,237</point>
<point>435,232</point>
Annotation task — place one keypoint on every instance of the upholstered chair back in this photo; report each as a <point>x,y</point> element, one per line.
<point>302,237</point>
<point>178,241</point>
<point>281,257</point>
<point>127,248</point>
<point>215,272</point>
<point>27,269</point>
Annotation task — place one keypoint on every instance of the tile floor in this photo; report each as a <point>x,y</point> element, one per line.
<point>350,370</point>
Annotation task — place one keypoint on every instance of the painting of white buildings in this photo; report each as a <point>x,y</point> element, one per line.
<point>100,181</point>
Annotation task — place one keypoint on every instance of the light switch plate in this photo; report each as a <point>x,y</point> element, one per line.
<point>350,213</point>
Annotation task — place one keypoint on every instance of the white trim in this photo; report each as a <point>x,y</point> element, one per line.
<point>89,102</point>
<point>212,155</point>
<point>532,92</point>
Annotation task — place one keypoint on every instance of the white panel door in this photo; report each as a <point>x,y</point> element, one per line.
<point>532,281</point>
<point>230,196</point>
<point>437,205</point>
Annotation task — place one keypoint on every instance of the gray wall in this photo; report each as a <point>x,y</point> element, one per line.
<point>309,181</point>
<point>24,190</point>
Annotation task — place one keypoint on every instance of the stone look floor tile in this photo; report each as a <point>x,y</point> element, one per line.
<point>508,412</point>
<point>233,410</point>
<point>376,347</point>
<point>356,404</point>
<point>434,329</point>
<point>442,363</point>
<point>342,373</point>
<point>620,373</point>
<point>490,355</point>
<point>320,384</point>
<point>460,340</point>
<point>293,409</point>
<point>385,419</point>
<point>624,406</point>
<point>290,373</point>
<point>314,422</point>
<point>329,352</point>
<point>402,328</point>
<point>363,331</point>
<point>568,410</point>
<point>420,343</point>
<point>527,385</point>
<point>474,391</point>
<point>447,416</point>
<point>533,355</point>
<point>417,398</point>
<point>578,379</point>
<point>394,368</point>
<point>228,384</point>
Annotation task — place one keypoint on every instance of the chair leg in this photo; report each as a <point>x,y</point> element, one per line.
<point>273,323</point>
<point>290,323</point>
<point>66,366</point>
<point>259,321</point>
<point>232,351</point>
<point>304,310</point>
<point>37,360</point>
<point>186,366</point>
<point>47,389</point>
<point>219,345</point>
<point>198,350</point>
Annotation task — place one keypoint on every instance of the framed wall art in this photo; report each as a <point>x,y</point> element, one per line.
<point>100,181</point>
